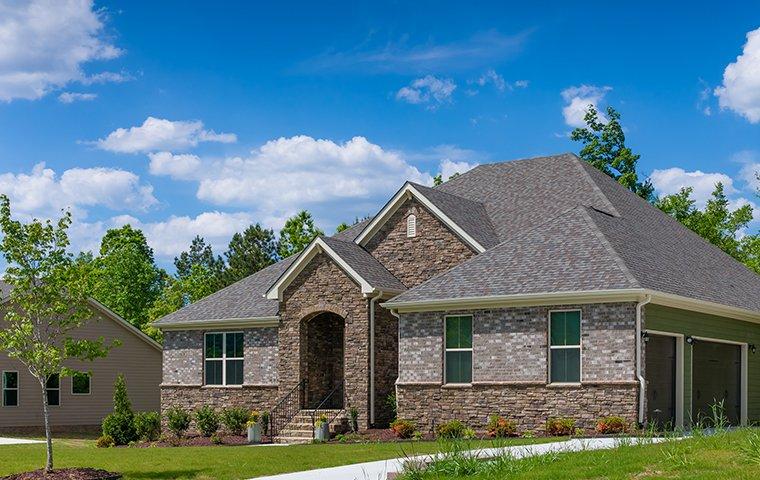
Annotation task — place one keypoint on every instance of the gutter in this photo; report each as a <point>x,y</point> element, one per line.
<point>639,376</point>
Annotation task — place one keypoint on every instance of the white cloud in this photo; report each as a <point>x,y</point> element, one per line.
<point>740,91</point>
<point>106,77</point>
<point>42,194</point>
<point>449,168</point>
<point>180,167</point>
<point>45,43</point>
<point>521,84</point>
<point>578,99</point>
<point>671,180</point>
<point>71,97</point>
<point>160,134</point>
<point>750,162</point>
<point>426,90</point>
<point>494,78</point>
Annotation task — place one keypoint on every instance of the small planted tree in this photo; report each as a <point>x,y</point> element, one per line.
<point>120,424</point>
<point>48,302</point>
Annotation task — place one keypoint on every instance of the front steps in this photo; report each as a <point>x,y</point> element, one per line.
<point>300,429</point>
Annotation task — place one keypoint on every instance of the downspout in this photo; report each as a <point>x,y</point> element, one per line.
<point>639,375</point>
<point>372,356</point>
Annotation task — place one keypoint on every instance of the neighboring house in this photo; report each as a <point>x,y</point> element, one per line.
<point>523,288</point>
<point>81,402</point>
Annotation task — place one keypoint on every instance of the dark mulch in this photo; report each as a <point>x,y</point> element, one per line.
<point>376,435</point>
<point>66,474</point>
<point>197,441</point>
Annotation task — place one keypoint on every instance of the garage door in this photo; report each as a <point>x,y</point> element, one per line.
<point>660,370</point>
<point>716,373</point>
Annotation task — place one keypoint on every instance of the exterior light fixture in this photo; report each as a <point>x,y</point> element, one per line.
<point>752,348</point>
<point>645,336</point>
<point>690,340</point>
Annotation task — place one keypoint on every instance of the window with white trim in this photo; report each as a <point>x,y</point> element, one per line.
<point>10,389</point>
<point>411,226</point>
<point>53,390</point>
<point>224,358</point>
<point>80,383</point>
<point>458,352</point>
<point>565,346</point>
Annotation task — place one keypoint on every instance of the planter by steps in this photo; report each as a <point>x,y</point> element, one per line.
<point>254,434</point>
<point>322,432</point>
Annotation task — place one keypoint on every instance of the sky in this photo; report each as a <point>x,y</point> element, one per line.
<point>185,118</point>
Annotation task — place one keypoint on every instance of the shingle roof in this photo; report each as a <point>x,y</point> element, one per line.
<point>353,231</point>
<point>5,290</point>
<point>367,266</point>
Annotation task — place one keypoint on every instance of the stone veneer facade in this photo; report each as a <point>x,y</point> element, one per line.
<point>510,367</point>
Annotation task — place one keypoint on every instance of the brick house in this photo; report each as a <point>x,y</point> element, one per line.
<point>531,288</point>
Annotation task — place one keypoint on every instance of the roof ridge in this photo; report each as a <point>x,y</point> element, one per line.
<point>607,245</point>
<point>580,164</point>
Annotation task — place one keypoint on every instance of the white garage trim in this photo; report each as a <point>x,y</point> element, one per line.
<point>679,371</point>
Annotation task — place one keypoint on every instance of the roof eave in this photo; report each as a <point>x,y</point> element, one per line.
<point>251,322</point>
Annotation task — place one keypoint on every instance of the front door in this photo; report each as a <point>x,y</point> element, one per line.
<point>660,373</point>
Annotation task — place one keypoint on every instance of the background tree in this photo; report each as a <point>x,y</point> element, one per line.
<point>298,232</point>
<point>604,147</point>
<point>49,301</point>
<point>249,252</point>
<point>126,278</point>
<point>199,254</point>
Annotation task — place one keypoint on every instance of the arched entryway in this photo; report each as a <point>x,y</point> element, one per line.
<point>323,360</point>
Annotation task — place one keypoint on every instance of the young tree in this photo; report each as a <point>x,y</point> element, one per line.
<point>604,147</point>
<point>298,232</point>
<point>48,302</point>
<point>249,252</point>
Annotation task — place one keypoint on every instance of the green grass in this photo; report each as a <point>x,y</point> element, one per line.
<point>733,455</point>
<point>208,462</point>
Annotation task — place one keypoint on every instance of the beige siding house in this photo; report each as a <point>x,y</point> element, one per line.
<point>83,402</point>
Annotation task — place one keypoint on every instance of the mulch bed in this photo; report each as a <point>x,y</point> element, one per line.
<point>376,435</point>
<point>198,441</point>
<point>66,474</point>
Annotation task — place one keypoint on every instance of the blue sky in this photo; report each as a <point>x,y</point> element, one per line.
<point>202,118</point>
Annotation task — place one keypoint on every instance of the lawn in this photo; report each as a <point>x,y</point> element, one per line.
<point>207,462</point>
<point>733,455</point>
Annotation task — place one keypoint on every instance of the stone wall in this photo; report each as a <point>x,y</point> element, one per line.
<point>434,250</point>
<point>324,358</point>
<point>386,363</point>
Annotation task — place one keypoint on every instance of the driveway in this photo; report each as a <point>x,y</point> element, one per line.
<point>17,441</point>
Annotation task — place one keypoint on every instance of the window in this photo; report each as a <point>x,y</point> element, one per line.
<point>53,389</point>
<point>458,355</point>
<point>224,358</point>
<point>565,347</point>
<point>411,226</point>
<point>80,384</point>
<point>10,389</point>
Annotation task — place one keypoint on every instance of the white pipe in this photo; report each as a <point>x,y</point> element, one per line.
<point>642,382</point>
<point>372,356</point>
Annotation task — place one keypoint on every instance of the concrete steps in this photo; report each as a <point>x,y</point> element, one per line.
<point>300,429</point>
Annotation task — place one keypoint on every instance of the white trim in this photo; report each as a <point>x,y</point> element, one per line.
<point>89,386</point>
<point>679,386</point>
<point>564,347</point>
<point>224,358</point>
<point>17,389</point>
<point>743,372</point>
<point>471,350</point>
<point>253,322</point>
<point>408,191</point>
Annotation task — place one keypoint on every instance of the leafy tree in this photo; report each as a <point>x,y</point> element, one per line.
<point>249,252</point>
<point>199,254</point>
<point>127,280</point>
<point>298,232</point>
<point>345,226</point>
<point>49,298</point>
<point>341,227</point>
<point>437,180</point>
<point>604,147</point>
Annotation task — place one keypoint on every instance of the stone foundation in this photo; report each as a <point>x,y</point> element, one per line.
<point>530,405</point>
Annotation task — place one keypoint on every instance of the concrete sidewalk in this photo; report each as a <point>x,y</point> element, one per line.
<point>17,441</point>
<point>379,470</point>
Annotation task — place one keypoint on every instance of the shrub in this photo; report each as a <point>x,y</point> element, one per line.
<point>148,426</point>
<point>207,421</point>
<point>390,402</point>
<point>234,420</point>
<point>178,421</point>
<point>105,441</point>
<point>216,439</point>
<point>559,427</point>
<point>451,429</point>
<point>610,425</point>
<point>265,422</point>
<point>353,419</point>
<point>120,424</point>
<point>500,427</point>
<point>403,428</point>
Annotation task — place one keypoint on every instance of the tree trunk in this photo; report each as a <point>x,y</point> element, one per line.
<point>48,436</point>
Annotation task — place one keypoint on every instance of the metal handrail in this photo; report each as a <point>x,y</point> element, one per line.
<point>315,413</point>
<point>286,409</point>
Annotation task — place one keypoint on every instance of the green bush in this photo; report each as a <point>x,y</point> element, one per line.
<point>207,421</point>
<point>500,427</point>
<point>148,426</point>
<point>452,429</point>
<point>611,425</point>
<point>560,427</point>
<point>264,420</point>
<point>234,420</point>
<point>403,428</point>
<point>105,441</point>
<point>178,421</point>
<point>120,424</point>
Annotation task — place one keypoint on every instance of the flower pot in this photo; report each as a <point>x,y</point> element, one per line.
<point>254,434</point>
<point>322,432</point>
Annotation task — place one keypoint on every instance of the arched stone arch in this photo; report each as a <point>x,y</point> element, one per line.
<point>323,349</point>
<point>306,314</point>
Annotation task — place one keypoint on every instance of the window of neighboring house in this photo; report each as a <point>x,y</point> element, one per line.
<point>565,346</point>
<point>53,389</point>
<point>80,384</point>
<point>411,226</point>
<point>224,358</point>
<point>10,389</point>
<point>458,355</point>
